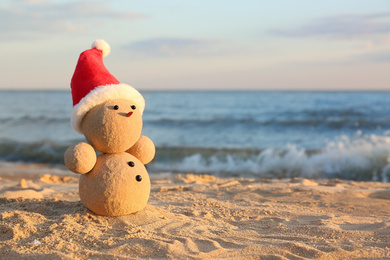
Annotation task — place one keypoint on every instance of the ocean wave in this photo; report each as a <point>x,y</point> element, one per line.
<point>363,157</point>
<point>42,152</point>
<point>276,122</point>
<point>331,112</point>
<point>38,120</point>
<point>199,121</point>
<point>359,158</point>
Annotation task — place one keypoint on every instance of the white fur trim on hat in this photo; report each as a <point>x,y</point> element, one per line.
<point>102,94</point>
<point>103,46</point>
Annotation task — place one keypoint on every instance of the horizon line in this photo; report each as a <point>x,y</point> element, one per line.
<point>211,90</point>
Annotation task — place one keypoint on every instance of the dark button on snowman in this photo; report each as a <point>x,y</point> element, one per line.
<point>109,114</point>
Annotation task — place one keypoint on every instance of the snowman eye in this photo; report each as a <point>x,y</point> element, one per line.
<point>131,164</point>
<point>133,107</point>
<point>138,178</point>
<point>116,107</point>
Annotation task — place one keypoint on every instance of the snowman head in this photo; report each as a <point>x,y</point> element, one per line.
<point>113,126</point>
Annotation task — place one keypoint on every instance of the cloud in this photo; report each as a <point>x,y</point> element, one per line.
<point>172,46</point>
<point>377,57</point>
<point>341,26</point>
<point>33,1</point>
<point>25,18</point>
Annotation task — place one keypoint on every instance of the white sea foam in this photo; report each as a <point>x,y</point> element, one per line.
<point>364,157</point>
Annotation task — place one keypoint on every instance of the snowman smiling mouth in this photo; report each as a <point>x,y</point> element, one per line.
<point>129,114</point>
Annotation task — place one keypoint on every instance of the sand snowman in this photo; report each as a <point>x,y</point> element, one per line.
<point>109,114</point>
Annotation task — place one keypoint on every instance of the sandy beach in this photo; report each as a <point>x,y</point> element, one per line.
<point>195,217</point>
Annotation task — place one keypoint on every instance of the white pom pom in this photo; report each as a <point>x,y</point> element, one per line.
<point>103,46</point>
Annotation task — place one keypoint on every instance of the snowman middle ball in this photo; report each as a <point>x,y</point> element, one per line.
<point>118,185</point>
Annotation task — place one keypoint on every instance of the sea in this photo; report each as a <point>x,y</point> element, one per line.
<point>262,134</point>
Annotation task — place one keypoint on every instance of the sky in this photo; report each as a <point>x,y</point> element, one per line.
<point>200,44</point>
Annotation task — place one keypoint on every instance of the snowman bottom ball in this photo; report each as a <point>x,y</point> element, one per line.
<point>118,185</point>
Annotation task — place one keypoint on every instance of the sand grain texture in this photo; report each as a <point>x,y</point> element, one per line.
<point>199,217</point>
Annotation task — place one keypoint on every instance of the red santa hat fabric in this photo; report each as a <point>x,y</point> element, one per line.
<point>92,84</point>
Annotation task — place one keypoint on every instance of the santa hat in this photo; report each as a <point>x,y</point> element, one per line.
<point>92,84</point>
